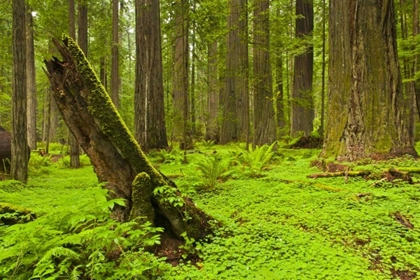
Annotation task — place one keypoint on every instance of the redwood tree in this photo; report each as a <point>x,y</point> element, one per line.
<point>368,112</point>
<point>180,74</point>
<point>302,101</point>
<point>19,161</point>
<point>149,110</point>
<point>115,76</point>
<point>235,124</point>
<point>264,121</point>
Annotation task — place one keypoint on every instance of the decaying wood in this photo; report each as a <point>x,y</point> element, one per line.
<point>391,174</point>
<point>402,220</point>
<point>116,157</point>
<point>12,214</point>
<point>339,174</point>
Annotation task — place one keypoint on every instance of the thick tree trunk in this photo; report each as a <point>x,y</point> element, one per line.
<point>369,115</point>
<point>235,125</point>
<point>264,122</point>
<point>116,157</point>
<point>302,100</point>
<point>19,164</point>
<point>149,113</point>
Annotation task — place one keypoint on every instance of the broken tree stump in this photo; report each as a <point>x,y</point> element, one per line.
<point>116,156</point>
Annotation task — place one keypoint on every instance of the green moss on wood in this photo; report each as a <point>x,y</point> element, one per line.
<point>107,116</point>
<point>12,214</point>
<point>142,198</point>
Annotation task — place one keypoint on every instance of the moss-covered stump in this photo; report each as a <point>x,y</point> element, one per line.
<point>116,156</point>
<point>12,214</point>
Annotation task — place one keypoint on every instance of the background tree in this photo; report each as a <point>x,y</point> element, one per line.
<point>368,112</point>
<point>181,74</point>
<point>302,101</point>
<point>150,129</point>
<point>264,122</point>
<point>235,123</point>
<point>31,81</point>
<point>115,75</point>
<point>20,152</point>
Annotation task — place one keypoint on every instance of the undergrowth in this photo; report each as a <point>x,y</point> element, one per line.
<point>275,222</point>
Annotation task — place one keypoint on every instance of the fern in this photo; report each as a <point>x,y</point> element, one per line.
<point>66,244</point>
<point>173,156</point>
<point>214,169</point>
<point>256,159</point>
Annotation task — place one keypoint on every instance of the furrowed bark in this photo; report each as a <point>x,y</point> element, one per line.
<point>116,156</point>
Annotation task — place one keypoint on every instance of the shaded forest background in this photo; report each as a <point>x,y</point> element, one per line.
<point>231,70</point>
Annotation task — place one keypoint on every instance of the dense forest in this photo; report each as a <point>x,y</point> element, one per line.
<point>209,139</point>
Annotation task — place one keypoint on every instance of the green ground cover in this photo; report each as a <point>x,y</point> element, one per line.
<point>275,222</point>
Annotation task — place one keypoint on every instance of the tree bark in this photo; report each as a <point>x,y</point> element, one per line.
<point>149,113</point>
<point>264,122</point>
<point>368,112</point>
<point>235,123</point>
<point>302,100</point>
<point>20,155</point>
<point>116,156</point>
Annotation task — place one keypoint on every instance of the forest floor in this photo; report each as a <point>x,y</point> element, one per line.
<point>276,222</point>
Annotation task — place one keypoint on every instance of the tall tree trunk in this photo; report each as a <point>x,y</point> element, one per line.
<point>82,26</point>
<point>116,157</point>
<point>149,113</point>
<point>264,122</point>
<point>20,155</point>
<point>82,39</point>
<point>416,63</point>
<point>31,84</point>
<point>180,75</point>
<point>324,19</point>
<point>74,146</point>
<point>302,100</point>
<point>115,75</point>
<point>368,112</point>
<point>193,73</point>
<point>72,19</point>
<point>235,123</point>
<point>212,129</point>
<point>281,123</point>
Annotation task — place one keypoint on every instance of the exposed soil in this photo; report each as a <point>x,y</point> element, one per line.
<point>169,247</point>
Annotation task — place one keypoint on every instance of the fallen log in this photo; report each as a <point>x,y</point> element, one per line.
<point>339,174</point>
<point>115,155</point>
<point>389,174</point>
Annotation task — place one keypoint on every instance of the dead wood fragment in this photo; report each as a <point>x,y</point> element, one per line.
<point>12,214</point>
<point>389,175</point>
<point>339,174</point>
<point>402,220</point>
